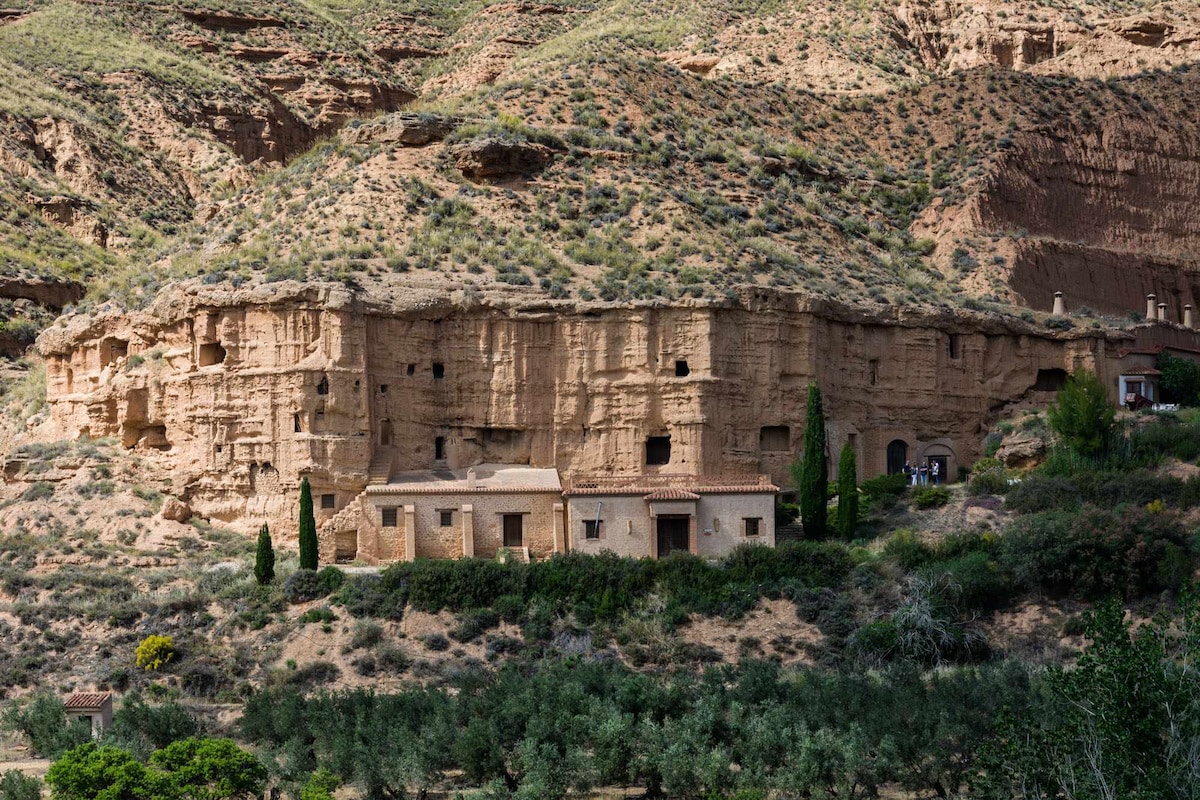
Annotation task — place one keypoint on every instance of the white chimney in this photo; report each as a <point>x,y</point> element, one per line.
<point>1162,312</point>
<point>1060,305</point>
<point>1188,322</point>
<point>1150,310</point>
<point>471,478</point>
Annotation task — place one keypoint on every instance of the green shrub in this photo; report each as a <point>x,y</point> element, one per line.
<point>1096,552</point>
<point>16,785</point>
<point>154,652</point>
<point>322,614</point>
<point>472,624</point>
<point>1038,493</point>
<point>979,582</point>
<point>885,485</point>
<point>988,481</point>
<point>331,578</point>
<point>304,585</point>
<point>930,497</point>
<point>366,634</point>
<point>907,550</point>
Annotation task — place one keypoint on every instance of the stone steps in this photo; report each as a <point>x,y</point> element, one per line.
<point>380,471</point>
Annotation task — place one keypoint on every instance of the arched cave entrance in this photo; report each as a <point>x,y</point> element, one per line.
<point>897,454</point>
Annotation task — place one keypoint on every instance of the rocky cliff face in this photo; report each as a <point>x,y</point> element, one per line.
<point>248,390</point>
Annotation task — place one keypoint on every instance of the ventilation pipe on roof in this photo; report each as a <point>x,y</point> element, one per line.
<point>1162,312</point>
<point>1060,306</point>
<point>1188,322</point>
<point>1150,311</point>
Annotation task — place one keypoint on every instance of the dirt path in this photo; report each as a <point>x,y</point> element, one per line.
<point>30,766</point>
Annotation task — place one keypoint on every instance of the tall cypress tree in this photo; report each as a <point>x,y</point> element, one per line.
<point>814,469</point>
<point>264,557</point>
<point>308,527</point>
<point>847,492</point>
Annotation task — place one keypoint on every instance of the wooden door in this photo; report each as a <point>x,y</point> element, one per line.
<point>672,535</point>
<point>514,530</point>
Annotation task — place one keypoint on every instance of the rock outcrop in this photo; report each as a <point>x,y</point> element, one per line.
<point>247,390</point>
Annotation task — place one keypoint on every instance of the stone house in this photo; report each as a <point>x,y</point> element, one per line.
<point>94,708</point>
<point>446,513</point>
<point>655,515</point>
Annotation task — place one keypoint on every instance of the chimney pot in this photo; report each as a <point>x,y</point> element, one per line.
<point>1151,312</point>
<point>1060,305</point>
<point>1188,322</point>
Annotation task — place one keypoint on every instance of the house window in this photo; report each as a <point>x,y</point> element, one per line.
<point>658,450</point>
<point>439,371</point>
<point>681,369</point>
<point>1135,387</point>
<point>753,525</point>
<point>591,528</point>
<point>389,517</point>
<point>328,501</point>
<point>446,518</point>
<point>439,448</point>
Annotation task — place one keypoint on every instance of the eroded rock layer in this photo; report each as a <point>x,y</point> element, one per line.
<point>250,389</point>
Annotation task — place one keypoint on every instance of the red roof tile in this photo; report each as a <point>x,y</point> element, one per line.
<point>672,494</point>
<point>85,700</point>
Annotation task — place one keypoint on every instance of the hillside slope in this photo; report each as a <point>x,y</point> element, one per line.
<point>981,153</point>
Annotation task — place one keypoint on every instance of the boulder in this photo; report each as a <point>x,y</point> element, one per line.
<point>1022,451</point>
<point>175,509</point>
<point>493,157</point>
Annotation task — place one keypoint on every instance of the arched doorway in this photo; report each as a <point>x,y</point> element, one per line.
<point>943,456</point>
<point>897,455</point>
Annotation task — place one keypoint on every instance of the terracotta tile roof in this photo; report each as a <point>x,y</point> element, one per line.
<point>1141,371</point>
<point>86,700</point>
<point>672,494</point>
<point>653,484</point>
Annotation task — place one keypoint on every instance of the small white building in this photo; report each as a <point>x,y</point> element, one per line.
<point>656,515</point>
<point>94,708</point>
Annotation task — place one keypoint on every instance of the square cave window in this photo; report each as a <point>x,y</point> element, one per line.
<point>658,450</point>
<point>591,528</point>
<point>439,371</point>
<point>389,517</point>
<point>383,388</point>
<point>681,369</point>
<point>412,370</point>
<point>446,518</point>
<point>328,501</point>
<point>323,386</point>
<point>211,354</point>
<point>952,346</point>
<point>775,438</point>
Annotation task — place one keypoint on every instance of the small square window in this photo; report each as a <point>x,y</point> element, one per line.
<point>439,371</point>
<point>658,450</point>
<point>447,518</point>
<point>412,369</point>
<point>389,517</point>
<point>681,369</point>
<point>753,525</point>
<point>591,528</point>
<point>383,388</point>
<point>328,501</point>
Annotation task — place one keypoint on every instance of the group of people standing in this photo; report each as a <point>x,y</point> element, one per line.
<point>921,474</point>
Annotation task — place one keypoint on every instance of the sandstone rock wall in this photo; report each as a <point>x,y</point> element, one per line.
<point>248,390</point>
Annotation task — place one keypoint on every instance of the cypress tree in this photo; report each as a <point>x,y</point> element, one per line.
<point>847,492</point>
<point>264,557</point>
<point>308,527</point>
<point>813,479</point>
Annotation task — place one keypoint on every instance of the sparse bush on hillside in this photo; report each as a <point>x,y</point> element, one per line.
<point>930,496</point>
<point>155,652</point>
<point>304,585</point>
